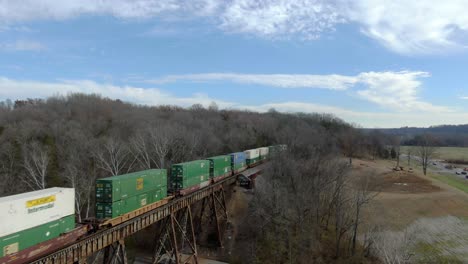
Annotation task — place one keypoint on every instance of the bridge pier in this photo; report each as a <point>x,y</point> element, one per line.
<point>177,240</point>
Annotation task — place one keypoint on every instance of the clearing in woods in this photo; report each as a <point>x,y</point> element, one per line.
<point>408,198</point>
<point>442,153</point>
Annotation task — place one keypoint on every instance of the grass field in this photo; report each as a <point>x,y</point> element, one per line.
<point>444,153</point>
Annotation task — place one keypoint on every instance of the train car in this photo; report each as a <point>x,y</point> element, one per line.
<point>189,176</point>
<point>119,195</point>
<point>238,162</point>
<point>220,167</point>
<point>252,157</point>
<point>263,153</point>
<point>35,217</point>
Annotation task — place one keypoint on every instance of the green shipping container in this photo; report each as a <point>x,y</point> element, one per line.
<point>158,195</point>
<point>220,165</point>
<point>116,188</point>
<point>252,161</point>
<point>187,174</point>
<point>118,208</point>
<point>30,237</point>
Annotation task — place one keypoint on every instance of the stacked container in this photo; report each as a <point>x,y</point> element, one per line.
<point>220,167</point>
<point>263,153</point>
<point>31,218</point>
<point>189,176</point>
<point>121,194</point>
<point>252,156</point>
<point>238,162</point>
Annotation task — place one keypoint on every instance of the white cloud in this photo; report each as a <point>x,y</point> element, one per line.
<point>394,90</point>
<point>413,26</point>
<point>277,18</point>
<point>21,45</point>
<point>407,27</point>
<point>333,81</point>
<point>15,89</point>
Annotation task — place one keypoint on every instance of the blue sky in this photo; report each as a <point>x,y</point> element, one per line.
<point>371,62</point>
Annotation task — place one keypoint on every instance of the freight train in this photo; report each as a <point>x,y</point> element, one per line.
<point>36,223</point>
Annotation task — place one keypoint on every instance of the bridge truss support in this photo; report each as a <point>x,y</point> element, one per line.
<point>213,216</point>
<point>177,241</point>
<point>115,253</point>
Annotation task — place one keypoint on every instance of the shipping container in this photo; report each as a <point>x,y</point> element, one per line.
<point>238,162</point>
<point>190,176</point>
<point>158,194</point>
<point>220,167</point>
<point>126,205</point>
<point>23,239</point>
<point>28,210</point>
<point>252,156</point>
<point>263,153</point>
<point>112,189</point>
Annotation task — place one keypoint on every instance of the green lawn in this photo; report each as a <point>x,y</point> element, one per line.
<point>445,153</point>
<point>453,181</point>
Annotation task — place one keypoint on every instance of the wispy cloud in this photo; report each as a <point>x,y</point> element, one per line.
<point>333,81</point>
<point>406,27</point>
<point>395,90</point>
<point>22,45</point>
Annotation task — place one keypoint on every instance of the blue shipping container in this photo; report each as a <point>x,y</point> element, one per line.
<point>238,157</point>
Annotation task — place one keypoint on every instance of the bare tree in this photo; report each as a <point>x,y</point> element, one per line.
<point>426,150</point>
<point>365,191</point>
<point>141,149</point>
<point>161,140</point>
<point>349,141</point>
<point>35,162</point>
<point>408,153</point>
<point>7,166</point>
<point>80,180</point>
<point>396,142</point>
<point>113,156</point>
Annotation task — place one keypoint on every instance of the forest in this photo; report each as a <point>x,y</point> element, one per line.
<point>304,208</point>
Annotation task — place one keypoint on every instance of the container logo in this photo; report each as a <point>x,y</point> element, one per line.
<point>43,200</point>
<point>139,183</point>
<point>143,202</point>
<point>10,249</point>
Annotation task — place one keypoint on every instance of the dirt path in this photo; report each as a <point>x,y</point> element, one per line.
<point>407,196</point>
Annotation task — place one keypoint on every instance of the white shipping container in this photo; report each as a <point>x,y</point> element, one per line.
<point>252,153</point>
<point>27,210</point>
<point>263,151</point>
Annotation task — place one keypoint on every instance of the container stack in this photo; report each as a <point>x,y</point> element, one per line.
<point>220,167</point>
<point>189,176</point>
<point>252,156</point>
<point>238,162</point>
<point>122,194</point>
<point>263,153</point>
<point>31,218</point>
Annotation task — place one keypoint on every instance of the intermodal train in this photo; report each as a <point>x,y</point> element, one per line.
<point>36,223</point>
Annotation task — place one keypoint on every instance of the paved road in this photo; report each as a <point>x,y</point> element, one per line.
<point>439,166</point>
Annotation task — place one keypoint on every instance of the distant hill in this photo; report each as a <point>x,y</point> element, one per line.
<point>447,135</point>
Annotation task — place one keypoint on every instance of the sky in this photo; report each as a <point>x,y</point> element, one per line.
<point>374,63</point>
